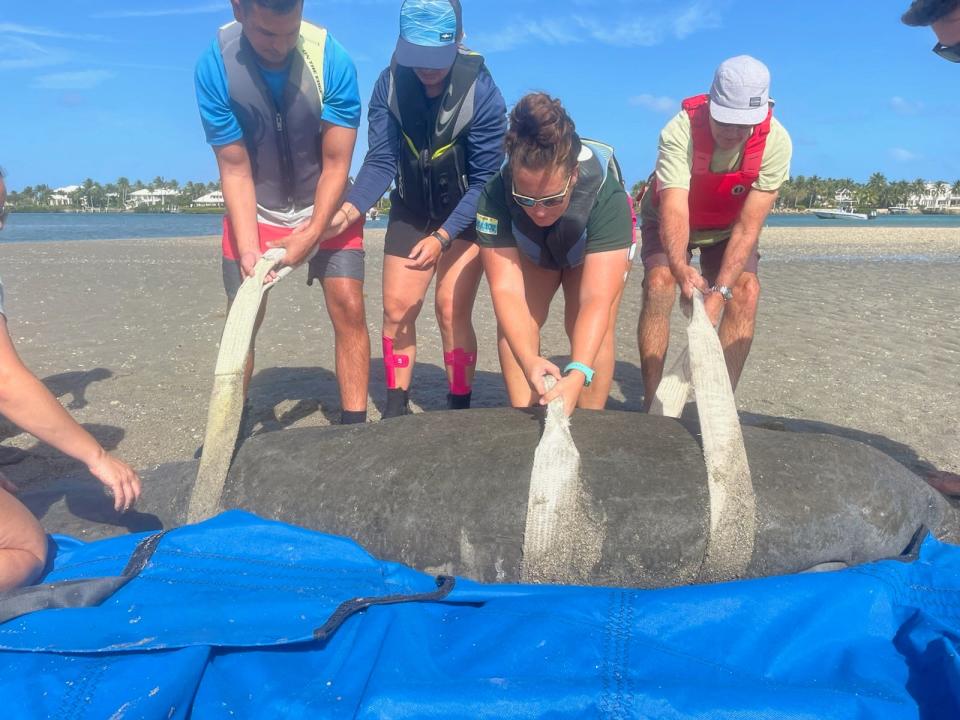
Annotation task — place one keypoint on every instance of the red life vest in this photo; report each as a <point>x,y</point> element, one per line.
<point>716,199</point>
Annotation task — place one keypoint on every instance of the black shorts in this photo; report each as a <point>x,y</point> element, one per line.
<point>405,230</point>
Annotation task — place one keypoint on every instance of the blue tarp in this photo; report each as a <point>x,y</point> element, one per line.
<point>220,623</point>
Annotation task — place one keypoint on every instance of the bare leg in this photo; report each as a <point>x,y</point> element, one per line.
<point>595,396</point>
<point>540,285</point>
<point>737,325</point>
<point>344,300</point>
<point>653,331</point>
<point>403,293</point>
<point>458,278</point>
<point>23,544</point>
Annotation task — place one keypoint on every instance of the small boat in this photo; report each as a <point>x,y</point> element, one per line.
<point>839,214</point>
<point>898,210</point>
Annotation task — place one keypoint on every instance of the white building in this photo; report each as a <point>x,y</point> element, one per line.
<point>60,197</point>
<point>845,198</point>
<point>161,196</point>
<point>936,196</point>
<point>213,199</point>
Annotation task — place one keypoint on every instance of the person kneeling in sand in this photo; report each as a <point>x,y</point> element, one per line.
<point>721,162</point>
<point>556,215</point>
<point>27,402</point>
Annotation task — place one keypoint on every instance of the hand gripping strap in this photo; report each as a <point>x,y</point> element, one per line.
<point>391,362</point>
<point>459,359</point>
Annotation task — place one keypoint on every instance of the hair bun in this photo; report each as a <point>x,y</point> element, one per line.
<point>541,133</point>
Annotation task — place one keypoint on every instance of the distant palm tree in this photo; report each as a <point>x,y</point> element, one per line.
<point>123,187</point>
<point>42,194</point>
<point>918,189</point>
<point>955,193</point>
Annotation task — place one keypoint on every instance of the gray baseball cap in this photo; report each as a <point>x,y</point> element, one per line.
<point>740,94</point>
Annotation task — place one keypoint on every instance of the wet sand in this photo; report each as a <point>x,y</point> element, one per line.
<point>857,335</point>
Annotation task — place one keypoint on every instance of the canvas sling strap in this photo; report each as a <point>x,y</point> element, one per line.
<point>226,400</point>
<point>701,366</point>
<point>561,542</point>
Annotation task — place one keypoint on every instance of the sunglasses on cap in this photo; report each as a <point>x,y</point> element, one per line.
<point>948,52</point>
<point>548,202</point>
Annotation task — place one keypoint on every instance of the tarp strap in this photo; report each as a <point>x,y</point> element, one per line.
<point>445,585</point>
<point>76,593</point>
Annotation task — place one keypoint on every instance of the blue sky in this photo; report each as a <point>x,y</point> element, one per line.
<point>104,88</point>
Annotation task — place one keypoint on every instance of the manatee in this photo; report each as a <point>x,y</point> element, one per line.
<point>446,492</point>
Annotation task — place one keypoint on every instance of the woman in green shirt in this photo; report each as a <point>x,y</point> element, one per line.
<point>556,215</point>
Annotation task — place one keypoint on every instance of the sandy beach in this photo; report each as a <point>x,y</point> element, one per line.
<point>857,335</point>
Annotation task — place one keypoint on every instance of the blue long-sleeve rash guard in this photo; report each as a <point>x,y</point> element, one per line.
<point>484,151</point>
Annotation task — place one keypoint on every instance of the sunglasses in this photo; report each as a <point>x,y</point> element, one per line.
<point>948,52</point>
<point>548,202</point>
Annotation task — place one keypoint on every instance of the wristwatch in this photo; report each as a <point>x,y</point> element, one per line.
<point>444,243</point>
<point>725,292</point>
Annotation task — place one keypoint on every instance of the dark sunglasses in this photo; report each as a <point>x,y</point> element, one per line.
<point>548,202</point>
<point>948,52</point>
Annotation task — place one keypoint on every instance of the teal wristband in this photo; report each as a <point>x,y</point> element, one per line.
<point>587,371</point>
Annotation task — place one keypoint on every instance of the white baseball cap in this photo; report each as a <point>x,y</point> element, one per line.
<point>740,94</point>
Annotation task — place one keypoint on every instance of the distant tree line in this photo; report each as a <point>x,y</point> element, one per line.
<point>878,192</point>
<point>109,196</point>
<point>803,192</point>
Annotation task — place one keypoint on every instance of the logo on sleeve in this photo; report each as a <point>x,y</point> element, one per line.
<point>487,225</point>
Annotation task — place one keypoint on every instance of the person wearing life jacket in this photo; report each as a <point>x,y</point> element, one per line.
<point>436,127</point>
<point>943,17</point>
<point>720,165</point>
<point>557,215</point>
<point>279,103</point>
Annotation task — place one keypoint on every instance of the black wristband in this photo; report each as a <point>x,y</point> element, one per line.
<point>444,244</point>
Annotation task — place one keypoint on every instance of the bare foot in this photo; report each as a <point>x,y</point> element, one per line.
<point>946,482</point>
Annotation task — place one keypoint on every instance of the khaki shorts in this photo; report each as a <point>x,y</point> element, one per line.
<point>653,254</point>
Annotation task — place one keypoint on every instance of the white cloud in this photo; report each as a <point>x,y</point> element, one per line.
<point>633,30</point>
<point>905,107</point>
<point>903,155</point>
<point>657,103</point>
<point>210,7</point>
<point>79,80</point>
<point>17,53</point>
<point>15,29</point>
<point>21,47</point>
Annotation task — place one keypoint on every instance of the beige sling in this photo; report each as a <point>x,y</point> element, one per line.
<point>732,501</point>
<point>226,400</point>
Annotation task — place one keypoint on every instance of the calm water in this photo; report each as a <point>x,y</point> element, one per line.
<point>38,227</point>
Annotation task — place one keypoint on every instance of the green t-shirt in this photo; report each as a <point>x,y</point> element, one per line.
<point>609,227</point>
<point>675,166</point>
